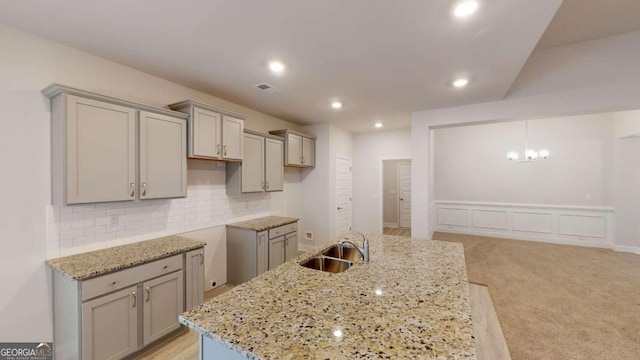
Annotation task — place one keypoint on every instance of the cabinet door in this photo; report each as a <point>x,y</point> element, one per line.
<point>110,325</point>
<point>276,252</point>
<point>308,152</point>
<point>163,303</point>
<point>232,136</point>
<point>194,277</point>
<point>206,134</point>
<point>274,164</point>
<point>294,149</point>
<point>253,164</point>
<point>163,156</point>
<point>263,252</point>
<point>291,246</point>
<point>101,151</point>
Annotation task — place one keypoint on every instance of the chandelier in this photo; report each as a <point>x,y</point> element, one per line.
<point>529,154</point>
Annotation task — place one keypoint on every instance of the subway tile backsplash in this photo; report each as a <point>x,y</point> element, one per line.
<point>78,228</point>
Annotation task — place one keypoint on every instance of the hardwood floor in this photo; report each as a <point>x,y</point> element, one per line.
<point>397,231</point>
<point>490,341</point>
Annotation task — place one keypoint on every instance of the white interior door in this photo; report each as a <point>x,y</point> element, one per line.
<point>343,195</point>
<point>404,191</point>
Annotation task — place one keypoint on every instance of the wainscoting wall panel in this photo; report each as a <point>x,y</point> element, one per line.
<point>573,225</point>
<point>489,219</point>
<point>535,222</point>
<point>453,217</point>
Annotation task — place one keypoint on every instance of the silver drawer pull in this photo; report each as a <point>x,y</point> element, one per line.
<point>148,293</point>
<point>224,151</point>
<point>133,190</point>
<point>135,299</point>
<point>144,189</point>
<point>201,257</point>
<point>113,283</point>
<point>166,266</point>
<point>218,149</point>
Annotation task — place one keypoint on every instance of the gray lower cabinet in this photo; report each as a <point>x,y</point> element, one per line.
<point>110,325</point>
<point>120,313</point>
<point>250,252</point>
<point>163,303</point>
<point>282,248</point>
<point>194,278</point>
<point>247,254</point>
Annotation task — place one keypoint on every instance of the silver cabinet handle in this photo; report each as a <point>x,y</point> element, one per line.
<point>267,185</point>
<point>224,150</point>
<point>201,257</point>
<point>133,190</point>
<point>148,293</point>
<point>218,149</point>
<point>144,189</point>
<point>135,299</point>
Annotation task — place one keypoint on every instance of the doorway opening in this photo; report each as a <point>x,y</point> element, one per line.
<point>396,197</point>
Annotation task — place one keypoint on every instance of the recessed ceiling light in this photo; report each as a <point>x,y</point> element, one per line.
<point>460,83</point>
<point>465,8</point>
<point>336,105</point>
<point>276,66</point>
<point>378,124</point>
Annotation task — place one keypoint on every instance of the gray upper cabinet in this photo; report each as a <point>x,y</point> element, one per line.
<point>100,143</point>
<point>163,156</point>
<point>262,167</point>
<point>300,148</point>
<point>213,133</point>
<point>274,169</point>
<point>94,152</point>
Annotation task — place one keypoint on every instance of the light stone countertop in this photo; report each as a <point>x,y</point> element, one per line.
<point>100,262</point>
<point>411,301</point>
<point>263,223</point>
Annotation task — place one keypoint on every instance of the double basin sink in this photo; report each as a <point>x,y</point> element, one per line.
<point>335,259</point>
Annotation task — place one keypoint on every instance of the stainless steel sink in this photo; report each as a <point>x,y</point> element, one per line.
<point>327,264</point>
<point>343,252</point>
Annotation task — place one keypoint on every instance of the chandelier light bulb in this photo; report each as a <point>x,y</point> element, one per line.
<point>543,153</point>
<point>513,155</point>
<point>531,154</point>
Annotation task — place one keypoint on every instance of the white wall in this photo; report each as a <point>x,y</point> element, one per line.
<point>626,123</point>
<point>573,95</point>
<point>29,64</point>
<point>369,151</point>
<point>471,165</point>
<point>317,185</point>
<point>626,194</point>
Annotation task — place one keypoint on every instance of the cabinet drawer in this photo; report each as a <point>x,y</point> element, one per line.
<point>121,279</point>
<point>284,229</point>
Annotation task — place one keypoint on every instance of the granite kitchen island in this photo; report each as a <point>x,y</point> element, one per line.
<point>411,301</point>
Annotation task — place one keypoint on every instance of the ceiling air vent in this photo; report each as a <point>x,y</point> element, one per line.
<point>266,87</point>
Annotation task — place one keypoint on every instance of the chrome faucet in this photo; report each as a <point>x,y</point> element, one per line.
<point>364,250</point>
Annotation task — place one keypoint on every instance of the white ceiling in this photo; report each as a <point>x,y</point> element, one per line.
<point>383,59</point>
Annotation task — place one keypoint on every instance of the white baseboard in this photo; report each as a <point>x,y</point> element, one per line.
<point>628,249</point>
<point>527,238</point>
<point>390,224</point>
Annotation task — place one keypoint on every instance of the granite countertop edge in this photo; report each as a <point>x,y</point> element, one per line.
<point>263,223</point>
<point>91,264</point>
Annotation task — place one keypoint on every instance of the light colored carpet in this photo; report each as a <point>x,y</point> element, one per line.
<point>557,301</point>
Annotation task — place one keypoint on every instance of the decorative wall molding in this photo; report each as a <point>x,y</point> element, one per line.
<point>560,224</point>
